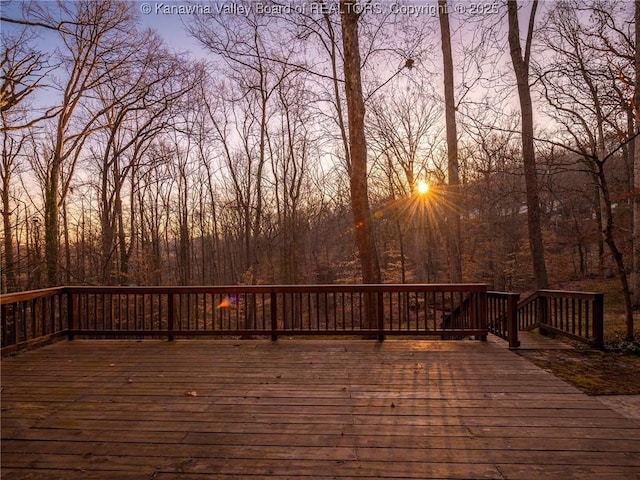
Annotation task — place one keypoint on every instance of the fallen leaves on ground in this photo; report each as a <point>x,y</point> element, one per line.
<point>592,371</point>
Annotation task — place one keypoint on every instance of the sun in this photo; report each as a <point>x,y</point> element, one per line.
<point>422,187</point>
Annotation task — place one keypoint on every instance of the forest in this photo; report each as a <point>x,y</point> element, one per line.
<point>321,142</point>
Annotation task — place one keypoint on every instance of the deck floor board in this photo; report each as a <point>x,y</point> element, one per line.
<point>294,409</point>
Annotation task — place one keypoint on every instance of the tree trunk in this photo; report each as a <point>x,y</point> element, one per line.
<point>521,70</point>
<point>454,235</point>
<point>67,244</point>
<point>9,259</point>
<point>123,269</point>
<point>635,284</point>
<point>357,145</point>
<point>51,228</point>
<point>609,237</point>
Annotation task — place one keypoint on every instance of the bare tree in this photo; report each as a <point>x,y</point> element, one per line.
<point>256,64</point>
<point>243,172</point>
<point>454,233</point>
<point>291,149</point>
<point>136,102</point>
<point>16,70</point>
<point>493,186</point>
<point>24,71</point>
<point>581,90</point>
<point>93,35</point>
<point>11,149</point>
<point>365,240</point>
<point>404,137</point>
<point>521,62</point>
<point>155,187</point>
<point>212,265</point>
<point>635,279</point>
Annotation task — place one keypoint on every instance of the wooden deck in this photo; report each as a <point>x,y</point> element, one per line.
<point>297,409</point>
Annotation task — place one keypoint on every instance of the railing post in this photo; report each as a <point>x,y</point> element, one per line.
<point>72,313</point>
<point>541,312</point>
<point>171,315</point>
<point>483,314</point>
<point>512,320</point>
<point>598,320</point>
<point>274,316</point>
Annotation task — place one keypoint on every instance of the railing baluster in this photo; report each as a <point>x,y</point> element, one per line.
<point>71,314</point>
<point>274,316</point>
<point>380,311</point>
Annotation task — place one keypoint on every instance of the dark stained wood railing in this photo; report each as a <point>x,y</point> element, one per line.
<point>277,310</point>
<point>576,315</point>
<point>32,317</point>
<point>446,311</point>
<point>502,316</point>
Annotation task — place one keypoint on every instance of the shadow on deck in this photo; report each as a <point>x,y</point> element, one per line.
<point>301,409</point>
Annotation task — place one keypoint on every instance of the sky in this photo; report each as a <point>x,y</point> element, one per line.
<point>168,17</point>
<point>171,25</point>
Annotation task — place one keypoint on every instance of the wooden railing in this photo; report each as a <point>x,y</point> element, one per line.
<point>577,315</point>
<point>33,317</point>
<point>502,316</point>
<point>447,311</point>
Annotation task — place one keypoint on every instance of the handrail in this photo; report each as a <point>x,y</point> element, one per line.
<point>370,309</point>
<point>448,311</point>
<point>14,297</point>
<point>576,315</point>
<point>33,317</point>
<point>272,310</point>
<point>351,287</point>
